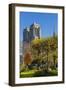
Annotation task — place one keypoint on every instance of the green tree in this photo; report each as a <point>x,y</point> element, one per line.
<point>54,46</point>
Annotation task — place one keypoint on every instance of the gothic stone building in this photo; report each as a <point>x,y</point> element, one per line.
<point>29,34</point>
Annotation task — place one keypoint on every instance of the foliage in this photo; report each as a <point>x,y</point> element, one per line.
<point>41,48</point>
<point>42,58</point>
<point>27,58</point>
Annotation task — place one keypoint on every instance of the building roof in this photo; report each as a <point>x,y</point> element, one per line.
<point>35,25</point>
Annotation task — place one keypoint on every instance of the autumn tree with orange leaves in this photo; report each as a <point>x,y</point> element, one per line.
<point>27,58</point>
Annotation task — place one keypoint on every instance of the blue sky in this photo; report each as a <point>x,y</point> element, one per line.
<point>48,22</point>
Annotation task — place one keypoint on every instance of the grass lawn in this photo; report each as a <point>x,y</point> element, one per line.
<point>37,73</point>
<point>29,73</point>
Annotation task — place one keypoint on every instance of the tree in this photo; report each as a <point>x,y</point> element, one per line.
<point>46,49</point>
<point>54,59</point>
<point>54,46</point>
<point>42,48</point>
<point>27,58</point>
<point>36,45</point>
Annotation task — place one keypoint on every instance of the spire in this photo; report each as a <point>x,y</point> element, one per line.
<point>34,23</point>
<point>28,29</point>
<point>54,33</point>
